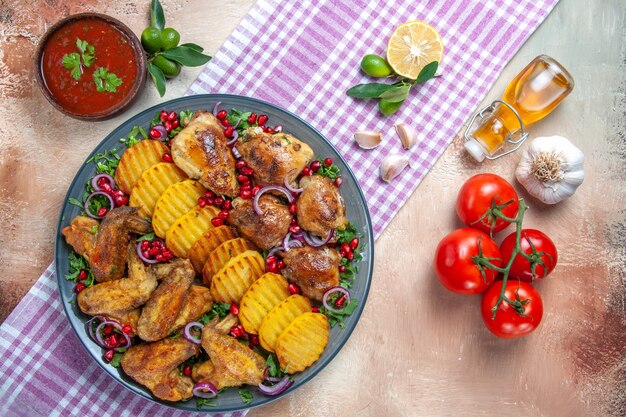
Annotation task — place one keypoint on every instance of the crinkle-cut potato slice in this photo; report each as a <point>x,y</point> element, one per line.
<point>135,160</point>
<point>234,279</point>
<point>261,297</point>
<point>152,183</point>
<point>184,232</point>
<point>302,342</point>
<point>218,257</point>
<point>279,317</point>
<point>199,252</point>
<point>178,199</point>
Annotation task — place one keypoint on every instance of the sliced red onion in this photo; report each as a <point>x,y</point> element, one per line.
<point>276,389</point>
<point>216,108</point>
<point>278,128</point>
<point>267,377</point>
<point>187,333</point>
<point>143,258</point>
<point>290,188</point>
<point>295,244</point>
<point>263,190</point>
<point>316,242</point>
<point>163,131</point>
<point>234,139</point>
<point>328,293</point>
<point>286,241</point>
<point>274,251</point>
<point>237,124</point>
<point>96,178</point>
<point>90,327</point>
<point>298,236</point>
<point>204,390</point>
<point>236,153</point>
<point>86,205</point>
<point>100,340</point>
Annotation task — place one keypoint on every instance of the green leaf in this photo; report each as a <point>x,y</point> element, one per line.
<point>149,237</point>
<point>193,46</point>
<point>72,62</point>
<point>87,52</point>
<point>75,202</point>
<point>106,81</point>
<point>427,72</point>
<point>245,395</point>
<point>186,56</point>
<point>158,78</point>
<point>371,90</point>
<point>157,17</point>
<point>400,93</point>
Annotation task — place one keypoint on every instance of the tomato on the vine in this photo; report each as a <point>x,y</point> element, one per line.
<point>481,193</point>
<point>454,261</point>
<point>515,320</point>
<point>535,244</point>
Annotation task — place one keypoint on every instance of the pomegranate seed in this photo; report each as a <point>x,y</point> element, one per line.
<point>280,265</point>
<point>229,131</point>
<point>235,331</point>
<point>315,166</point>
<point>252,118</point>
<point>342,268</point>
<point>167,157</point>
<point>153,251</point>
<point>340,301</point>
<point>293,209</point>
<point>102,181</point>
<point>294,229</point>
<point>294,221</point>
<point>254,340</point>
<point>346,248</point>
<point>225,123</point>
<point>117,193</point>
<point>163,116</point>
<point>242,178</point>
<point>187,370</point>
<point>221,115</point>
<point>79,287</point>
<point>255,189</point>
<point>175,124</point>
<point>227,205</point>
<point>209,194</point>
<point>145,254</point>
<point>121,201</point>
<point>342,252</point>
<point>269,130</point>
<point>245,194</point>
<point>350,256</point>
<point>159,258</point>
<point>107,330</point>
<point>157,244</point>
<point>262,120</point>
<point>168,256</point>
<point>210,201</point>
<point>219,201</point>
<point>271,259</point>
<point>315,309</point>
<point>294,289</point>
<point>306,172</point>
<point>247,171</point>
<point>172,116</point>
<point>234,309</point>
<point>240,164</point>
<point>223,215</point>
<point>202,202</point>
<point>127,329</point>
<point>354,243</point>
<point>217,222</point>
<point>108,355</point>
<point>328,161</point>
<point>168,126</point>
<point>82,274</point>
<point>338,182</point>
<point>102,211</point>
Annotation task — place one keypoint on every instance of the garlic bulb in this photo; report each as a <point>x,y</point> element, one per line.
<point>392,166</point>
<point>551,169</point>
<point>367,139</point>
<point>407,134</point>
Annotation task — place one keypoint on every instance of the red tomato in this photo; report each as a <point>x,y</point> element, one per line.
<point>521,268</point>
<point>508,323</point>
<point>454,265</point>
<point>476,197</point>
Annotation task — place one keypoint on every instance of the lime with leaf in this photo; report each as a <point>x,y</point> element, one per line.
<point>169,38</point>
<point>170,68</point>
<point>151,40</point>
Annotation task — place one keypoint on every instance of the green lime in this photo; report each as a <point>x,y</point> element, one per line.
<point>151,40</point>
<point>389,107</point>
<point>169,38</point>
<point>170,68</point>
<point>375,65</point>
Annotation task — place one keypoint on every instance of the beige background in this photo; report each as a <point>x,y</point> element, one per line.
<point>418,349</point>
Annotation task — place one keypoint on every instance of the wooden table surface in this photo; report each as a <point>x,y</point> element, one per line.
<point>418,349</point>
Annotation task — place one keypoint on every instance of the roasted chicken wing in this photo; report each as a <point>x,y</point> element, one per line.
<point>314,270</point>
<point>198,302</point>
<point>273,157</point>
<point>166,302</point>
<point>81,235</point>
<point>320,206</point>
<point>265,230</point>
<point>155,366</point>
<point>200,150</point>
<point>108,259</point>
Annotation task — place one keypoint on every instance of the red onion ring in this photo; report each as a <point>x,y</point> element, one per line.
<point>263,190</point>
<point>96,178</point>
<point>298,236</point>
<point>90,327</point>
<point>187,333</point>
<point>163,131</point>
<point>236,153</point>
<point>290,188</point>
<point>333,290</point>
<point>286,241</point>
<point>267,377</point>
<point>274,251</point>
<point>278,128</point>
<point>143,258</point>
<point>118,326</point>
<point>216,108</point>
<point>86,205</point>
<point>276,389</point>
<point>234,139</point>
<point>316,242</point>
<point>204,390</point>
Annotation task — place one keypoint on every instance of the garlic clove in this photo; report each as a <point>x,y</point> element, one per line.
<point>407,134</point>
<point>368,139</point>
<point>392,166</point>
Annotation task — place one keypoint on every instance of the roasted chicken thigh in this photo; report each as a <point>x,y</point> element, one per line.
<point>320,206</point>
<point>314,270</point>
<point>265,230</point>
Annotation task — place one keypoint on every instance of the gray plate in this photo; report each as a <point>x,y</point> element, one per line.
<point>357,213</point>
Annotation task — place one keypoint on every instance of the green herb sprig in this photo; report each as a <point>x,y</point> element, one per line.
<point>106,81</point>
<point>76,61</point>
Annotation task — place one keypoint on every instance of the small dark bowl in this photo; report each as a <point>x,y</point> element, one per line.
<point>140,62</point>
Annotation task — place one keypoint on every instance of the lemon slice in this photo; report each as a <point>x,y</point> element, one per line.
<point>412,46</point>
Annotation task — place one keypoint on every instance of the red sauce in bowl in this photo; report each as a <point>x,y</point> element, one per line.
<point>113,51</point>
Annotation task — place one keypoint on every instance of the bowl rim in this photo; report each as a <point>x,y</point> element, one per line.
<point>140,63</point>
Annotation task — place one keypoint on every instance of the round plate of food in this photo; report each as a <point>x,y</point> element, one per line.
<point>214,253</point>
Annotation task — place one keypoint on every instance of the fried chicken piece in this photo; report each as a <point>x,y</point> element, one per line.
<point>233,363</point>
<point>265,230</point>
<point>198,302</point>
<point>320,206</point>
<point>273,157</point>
<point>155,366</point>
<point>166,302</point>
<point>200,150</point>
<point>81,235</point>
<point>108,257</point>
<point>130,317</point>
<point>314,270</point>
<point>113,298</point>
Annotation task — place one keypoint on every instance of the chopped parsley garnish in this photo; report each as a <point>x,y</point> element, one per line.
<point>136,135</point>
<point>117,358</point>
<point>331,172</point>
<point>220,310</point>
<point>78,263</point>
<point>202,402</point>
<point>106,162</point>
<point>346,235</point>
<point>236,115</point>
<point>336,318</point>
<point>245,395</point>
<point>106,82</point>
<point>149,237</point>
